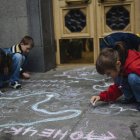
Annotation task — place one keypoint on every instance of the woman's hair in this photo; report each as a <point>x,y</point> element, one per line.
<point>108,58</point>
<point>5,62</point>
<point>27,40</point>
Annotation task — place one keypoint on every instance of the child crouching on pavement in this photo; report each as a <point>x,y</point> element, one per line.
<point>124,67</point>
<point>5,68</point>
<point>19,53</point>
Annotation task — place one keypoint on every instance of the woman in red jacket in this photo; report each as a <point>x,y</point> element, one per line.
<point>124,67</point>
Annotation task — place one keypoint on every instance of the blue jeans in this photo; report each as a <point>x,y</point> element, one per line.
<point>130,86</point>
<point>17,62</point>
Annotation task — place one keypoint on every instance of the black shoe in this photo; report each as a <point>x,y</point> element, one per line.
<point>138,106</point>
<point>15,85</point>
<point>128,101</point>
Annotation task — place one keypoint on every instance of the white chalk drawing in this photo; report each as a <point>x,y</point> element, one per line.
<point>113,109</point>
<point>53,85</point>
<point>101,87</point>
<point>85,73</point>
<point>59,134</point>
<point>60,90</point>
<point>51,81</point>
<point>43,98</point>
<point>35,107</point>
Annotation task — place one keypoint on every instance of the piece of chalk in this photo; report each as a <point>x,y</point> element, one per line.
<point>93,104</point>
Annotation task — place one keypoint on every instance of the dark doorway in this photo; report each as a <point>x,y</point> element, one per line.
<point>76,50</point>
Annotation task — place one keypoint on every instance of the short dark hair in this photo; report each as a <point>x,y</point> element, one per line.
<point>107,60</point>
<point>27,40</point>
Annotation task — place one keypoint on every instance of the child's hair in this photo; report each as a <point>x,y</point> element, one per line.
<point>5,62</point>
<point>121,49</point>
<point>108,58</point>
<point>27,40</point>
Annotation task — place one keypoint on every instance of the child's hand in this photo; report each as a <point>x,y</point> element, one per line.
<point>25,75</point>
<point>94,99</point>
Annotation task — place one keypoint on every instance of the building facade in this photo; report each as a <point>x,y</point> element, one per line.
<point>65,31</point>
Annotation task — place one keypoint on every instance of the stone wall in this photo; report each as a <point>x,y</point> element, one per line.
<point>29,17</point>
<point>13,21</point>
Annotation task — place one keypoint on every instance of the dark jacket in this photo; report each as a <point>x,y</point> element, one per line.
<point>132,41</point>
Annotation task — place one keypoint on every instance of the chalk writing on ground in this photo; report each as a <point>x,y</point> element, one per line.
<point>66,114</point>
<point>86,73</point>
<point>60,90</point>
<point>99,88</point>
<point>111,109</point>
<point>56,100</point>
<point>58,133</point>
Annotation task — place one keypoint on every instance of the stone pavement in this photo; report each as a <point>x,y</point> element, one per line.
<point>55,106</point>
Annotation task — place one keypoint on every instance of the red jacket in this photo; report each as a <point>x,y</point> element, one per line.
<point>132,65</point>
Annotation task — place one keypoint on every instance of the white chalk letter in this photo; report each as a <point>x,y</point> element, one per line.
<point>90,136</point>
<point>30,129</point>
<point>62,134</point>
<point>47,133</point>
<point>14,131</point>
<point>77,135</point>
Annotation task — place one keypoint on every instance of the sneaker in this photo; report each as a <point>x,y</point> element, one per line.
<point>15,85</point>
<point>138,106</point>
<point>128,101</point>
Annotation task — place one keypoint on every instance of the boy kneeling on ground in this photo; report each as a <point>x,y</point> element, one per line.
<point>19,53</point>
<point>124,67</point>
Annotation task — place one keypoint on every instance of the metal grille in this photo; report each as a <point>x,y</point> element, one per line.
<point>75,20</point>
<point>117,18</point>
